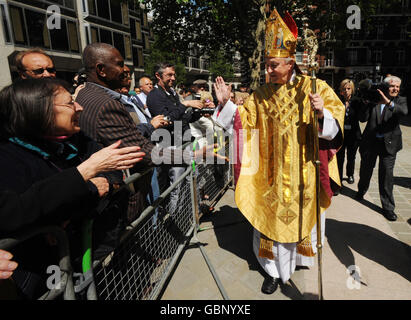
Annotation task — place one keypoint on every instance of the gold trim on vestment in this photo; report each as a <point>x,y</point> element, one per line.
<point>278,198</point>
<point>266,248</point>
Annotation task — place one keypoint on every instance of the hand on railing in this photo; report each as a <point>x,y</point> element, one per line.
<point>6,265</point>
<point>207,152</point>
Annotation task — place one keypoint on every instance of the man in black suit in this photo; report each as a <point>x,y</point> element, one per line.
<point>382,138</point>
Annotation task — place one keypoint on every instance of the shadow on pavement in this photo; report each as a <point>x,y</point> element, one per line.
<point>370,243</point>
<point>404,182</point>
<point>351,193</point>
<point>234,234</point>
<point>406,121</point>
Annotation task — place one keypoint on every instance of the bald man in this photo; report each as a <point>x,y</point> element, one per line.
<point>146,85</point>
<point>35,63</point>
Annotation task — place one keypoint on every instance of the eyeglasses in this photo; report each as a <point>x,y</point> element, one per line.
<point>41,70</point>
<point>70,105</point>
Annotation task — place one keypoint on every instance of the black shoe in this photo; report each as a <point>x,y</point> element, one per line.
<point>270,284</point>
<point>350,179</point>
<point>359,196</point>
<point>389,215</point>
<point>336,193</point>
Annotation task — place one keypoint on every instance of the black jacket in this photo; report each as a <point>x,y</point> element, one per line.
<point>34,189</point>
<point>386,123</point>
<point>351,119</point>
<point>159,102</point>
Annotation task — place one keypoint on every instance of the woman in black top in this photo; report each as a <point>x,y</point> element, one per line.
<point>352,131</point>
<point>48,172</point>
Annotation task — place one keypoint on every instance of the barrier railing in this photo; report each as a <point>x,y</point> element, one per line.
<point>150,248</point>
<point>65,286</point>
<point>140,266</point>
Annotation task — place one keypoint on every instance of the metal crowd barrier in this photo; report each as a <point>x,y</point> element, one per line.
<point>139,267</point>
<point>65,287</point>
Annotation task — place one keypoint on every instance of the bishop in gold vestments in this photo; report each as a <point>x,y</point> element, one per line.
<point>275,190</point>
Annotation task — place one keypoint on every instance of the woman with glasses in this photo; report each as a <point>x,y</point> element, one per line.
<point>352,131</point>
<point>50,173</point>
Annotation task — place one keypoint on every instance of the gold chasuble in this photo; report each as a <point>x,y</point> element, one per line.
<point>276,186</point>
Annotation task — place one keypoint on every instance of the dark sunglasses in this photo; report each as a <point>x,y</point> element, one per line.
<point>41,70</point>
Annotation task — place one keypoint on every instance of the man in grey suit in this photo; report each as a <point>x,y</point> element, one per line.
<point>382,138</point>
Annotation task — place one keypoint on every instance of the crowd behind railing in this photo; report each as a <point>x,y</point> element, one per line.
<point>97,181</point>
<point>97,186</point>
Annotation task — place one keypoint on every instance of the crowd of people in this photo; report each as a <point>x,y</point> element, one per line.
<point>66,146</point>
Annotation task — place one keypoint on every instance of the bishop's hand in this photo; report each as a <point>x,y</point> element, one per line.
<point>317,104</point>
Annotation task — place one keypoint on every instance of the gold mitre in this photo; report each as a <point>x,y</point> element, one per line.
<point>280,36</point>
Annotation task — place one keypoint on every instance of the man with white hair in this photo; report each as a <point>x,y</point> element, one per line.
<point>279,196</point>
<point>146,85</point>
<point>382,138</point>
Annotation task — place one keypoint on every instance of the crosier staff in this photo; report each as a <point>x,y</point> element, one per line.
<point>311,44</point>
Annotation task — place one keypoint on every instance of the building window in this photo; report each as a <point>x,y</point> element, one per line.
<point>138,30</point>
<point>94,35</point>
<point>59,38</point>
<point>103,9</point>
<point>92,7</point>
<point>377,56</point>
<point>37,27</point>
<point>205,64</point>
<point>119,43</point>
<point>73,36</point>
<point>6,29</point>
<point>63,3</point>
<point>105,36</point>
<point>380,32</point>
<point>144,19</point>
<point>124,10</point>
<point>132,5</point>
<point>355,34</point>
<point>401,57</point>
<point>133,28</point>
<point>140,57</point>
<point>17,21</point>
<point>116,14</point>
<point>403,33</point>
<point>352,56</point>
<point>127,43</point>
<point>146,42</point>
<point>30,29</point>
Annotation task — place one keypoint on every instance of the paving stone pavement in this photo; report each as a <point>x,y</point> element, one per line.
<point>402,185</point>
<point>358,241</point>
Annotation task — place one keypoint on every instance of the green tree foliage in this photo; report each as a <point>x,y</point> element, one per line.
<point>221,27</point>
<point>220,66</point>
<point>163,51</point>
<point>226,26</point>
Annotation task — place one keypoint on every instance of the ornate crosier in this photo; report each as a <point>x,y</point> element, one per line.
<point>311,45</point>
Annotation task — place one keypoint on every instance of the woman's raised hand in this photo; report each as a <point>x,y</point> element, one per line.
<point>111,158</point>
